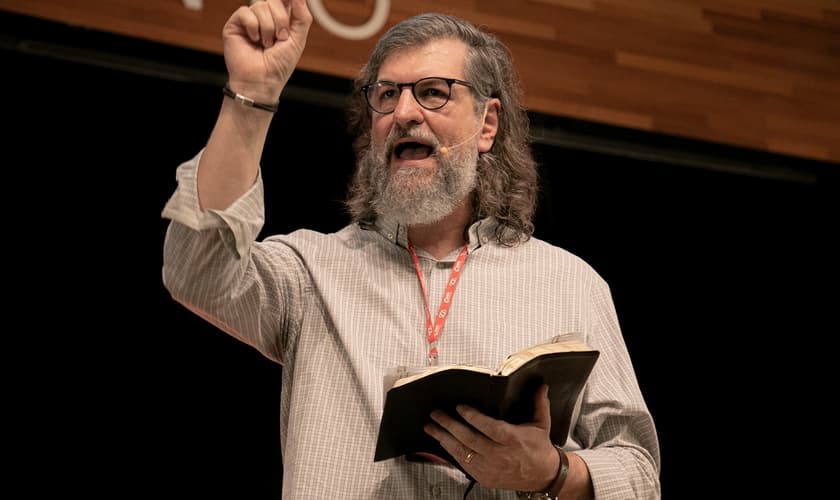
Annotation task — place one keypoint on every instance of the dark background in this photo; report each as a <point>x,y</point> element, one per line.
<point>720,260</point>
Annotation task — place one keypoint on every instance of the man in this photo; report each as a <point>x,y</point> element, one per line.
<point>445,184</point>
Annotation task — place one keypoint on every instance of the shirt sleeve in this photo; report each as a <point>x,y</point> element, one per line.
<point>615,429</point>
<point>214,267</point>
<point>244,218</point>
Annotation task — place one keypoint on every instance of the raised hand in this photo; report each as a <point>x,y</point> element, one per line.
<point>262,45</point>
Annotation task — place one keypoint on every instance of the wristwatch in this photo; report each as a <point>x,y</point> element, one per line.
<point>555,486</point>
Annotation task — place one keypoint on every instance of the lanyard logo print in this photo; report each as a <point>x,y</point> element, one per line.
<point>434,329</point>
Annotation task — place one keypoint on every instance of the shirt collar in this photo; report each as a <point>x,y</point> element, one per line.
<point>480,233</point>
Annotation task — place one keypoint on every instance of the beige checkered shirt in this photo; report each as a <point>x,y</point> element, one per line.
<point>338,310</point>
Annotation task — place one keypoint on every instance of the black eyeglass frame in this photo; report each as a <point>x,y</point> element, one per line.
<point>400,86</point>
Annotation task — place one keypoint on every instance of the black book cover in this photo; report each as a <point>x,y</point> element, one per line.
<point>508,397</point>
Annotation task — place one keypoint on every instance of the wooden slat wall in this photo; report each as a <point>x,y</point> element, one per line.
<point>763,74</point>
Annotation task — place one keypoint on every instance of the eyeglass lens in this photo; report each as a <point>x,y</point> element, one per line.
<point>431,93</point>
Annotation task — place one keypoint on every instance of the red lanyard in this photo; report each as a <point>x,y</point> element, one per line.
<point>433,331</point>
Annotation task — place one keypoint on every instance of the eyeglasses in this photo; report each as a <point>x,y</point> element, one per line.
<point>431,93</point>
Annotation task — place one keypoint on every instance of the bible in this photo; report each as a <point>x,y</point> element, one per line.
<point>506,393</point>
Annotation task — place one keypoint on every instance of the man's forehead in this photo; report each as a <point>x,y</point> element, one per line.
<point>435,58</point>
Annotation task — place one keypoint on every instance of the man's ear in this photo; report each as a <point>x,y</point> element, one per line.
<point>490,125</point>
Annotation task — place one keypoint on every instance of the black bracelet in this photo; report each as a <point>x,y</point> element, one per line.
<point>560,480</point>
<point>554,489</point>
<point>247,101</point>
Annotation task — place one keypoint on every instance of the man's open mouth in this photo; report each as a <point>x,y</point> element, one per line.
<point>411,150</point>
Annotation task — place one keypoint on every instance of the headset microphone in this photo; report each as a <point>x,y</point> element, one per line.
<point>444,150</point>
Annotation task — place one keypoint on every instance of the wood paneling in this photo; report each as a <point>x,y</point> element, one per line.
<point>762,74</point>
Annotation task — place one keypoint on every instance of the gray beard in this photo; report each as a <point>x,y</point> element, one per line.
<point>421,196</point>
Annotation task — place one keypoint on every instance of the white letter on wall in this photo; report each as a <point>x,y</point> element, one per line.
<point>366,30</point>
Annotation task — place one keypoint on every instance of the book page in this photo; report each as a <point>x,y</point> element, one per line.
<point>568,342</point>
<point>417,373</point>
<point>561,343</point>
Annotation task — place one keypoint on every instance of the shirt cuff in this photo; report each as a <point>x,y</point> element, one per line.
<point>240,223</point>
<point>607,475</point>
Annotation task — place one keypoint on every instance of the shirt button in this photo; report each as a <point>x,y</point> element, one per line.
<point>435,490</point>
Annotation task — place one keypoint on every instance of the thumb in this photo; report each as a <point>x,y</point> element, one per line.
<point>542,408</point>
<point>299,18</point>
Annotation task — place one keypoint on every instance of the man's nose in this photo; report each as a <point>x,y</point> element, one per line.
<point>408,110</point>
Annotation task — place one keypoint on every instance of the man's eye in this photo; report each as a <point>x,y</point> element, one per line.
<point>432,92</point>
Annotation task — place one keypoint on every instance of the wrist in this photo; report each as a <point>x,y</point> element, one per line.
<point>555,486</point>
<point>251,102</point>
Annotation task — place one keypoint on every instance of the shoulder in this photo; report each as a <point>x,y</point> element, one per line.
<point>309,242</point>
<point>555,254</point>
<point>557,262</point>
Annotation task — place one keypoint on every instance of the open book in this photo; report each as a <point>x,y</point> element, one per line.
<point>506,393</point>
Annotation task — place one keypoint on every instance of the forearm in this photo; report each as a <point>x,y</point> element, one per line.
<point>578,483</point>
<point>230,162</point>
<point>575,484</point>
<point>262,46</point>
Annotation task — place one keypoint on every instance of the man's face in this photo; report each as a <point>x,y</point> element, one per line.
<point>415,183</point>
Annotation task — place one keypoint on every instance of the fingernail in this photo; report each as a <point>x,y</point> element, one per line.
<point>283,34</point>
